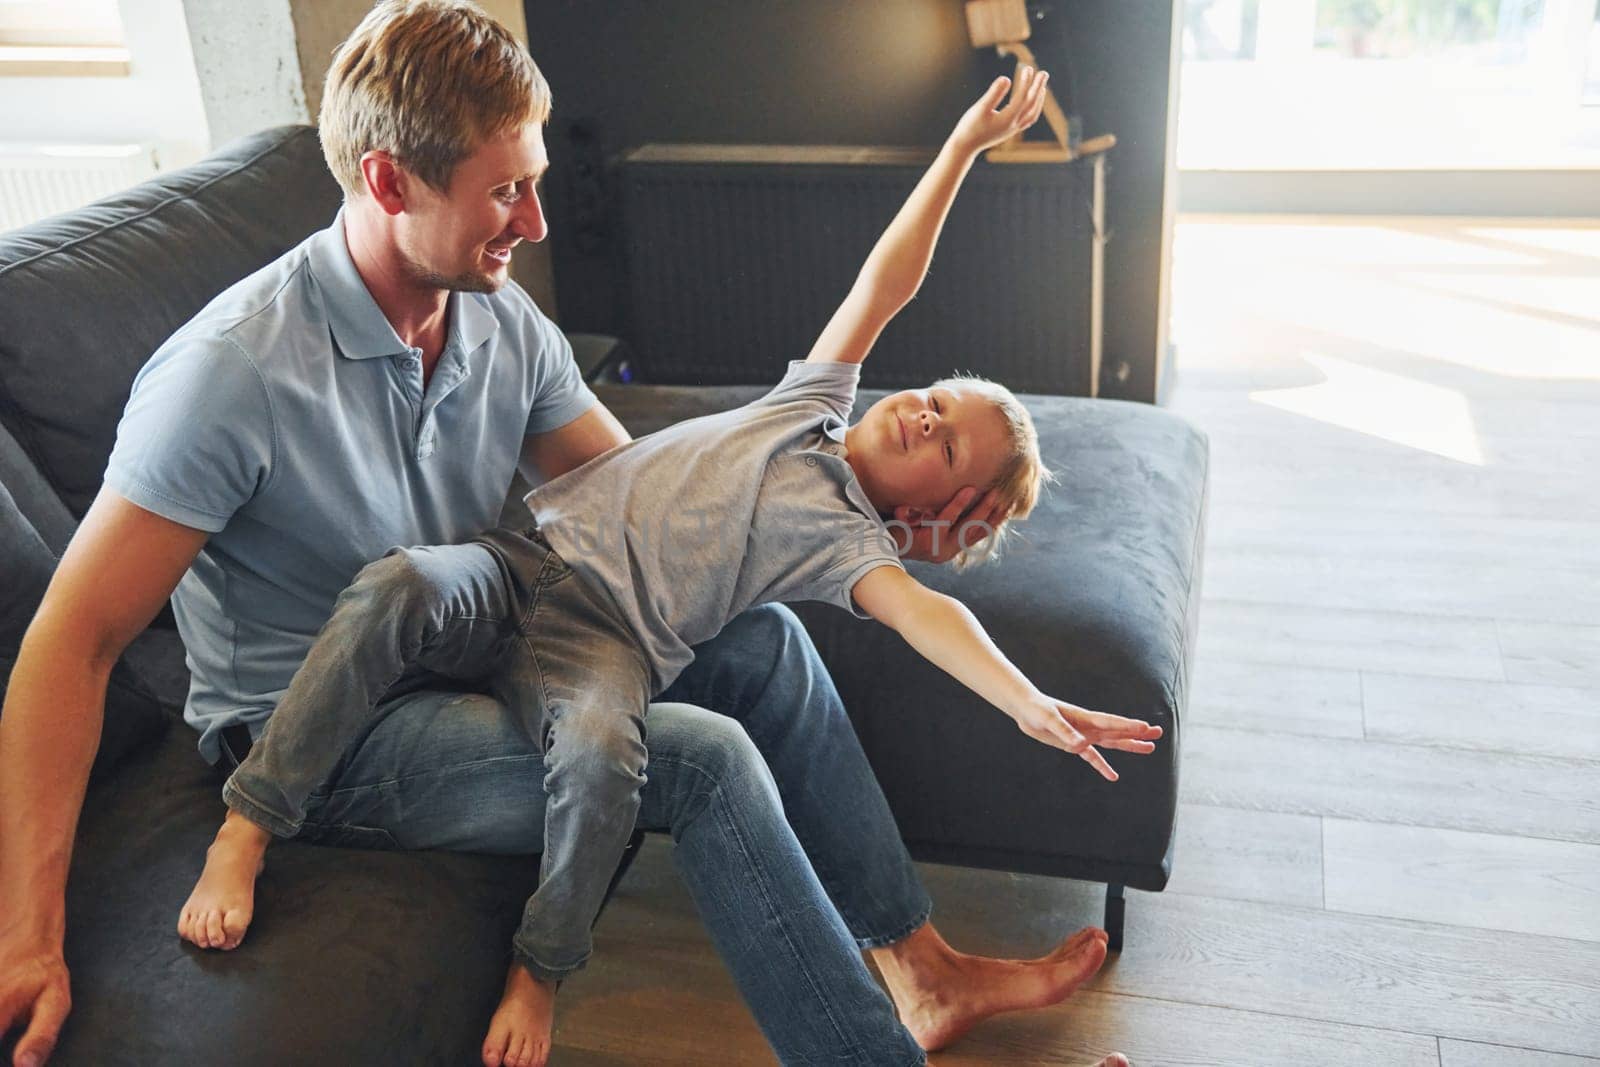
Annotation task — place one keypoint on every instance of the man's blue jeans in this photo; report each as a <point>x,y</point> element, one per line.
<point>788,901</point>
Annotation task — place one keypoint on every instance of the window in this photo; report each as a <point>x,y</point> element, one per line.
<point>1389,84</point>
<point>62,37</point>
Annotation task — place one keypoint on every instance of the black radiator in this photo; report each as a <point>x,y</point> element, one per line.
<point>737,255</point>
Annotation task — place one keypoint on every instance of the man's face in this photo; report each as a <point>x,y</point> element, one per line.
<point>918,448</point>
<point>462,238</point>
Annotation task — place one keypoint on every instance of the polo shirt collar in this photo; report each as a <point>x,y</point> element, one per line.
<point>360,328</point>
<point>472,321</point>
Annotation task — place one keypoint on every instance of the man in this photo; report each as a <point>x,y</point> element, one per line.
<point>375,387</point>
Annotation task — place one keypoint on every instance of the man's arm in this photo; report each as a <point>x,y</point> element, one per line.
<point>119,569</point>
<point>947,634</point>
<point>894,270</point>
<point>552,454</point>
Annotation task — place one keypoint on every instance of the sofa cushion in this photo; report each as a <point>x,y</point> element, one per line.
<point>97,290</point>
<point>1095,602</point>
<point>33,495</point>
<point>345,945</point>
<point>133,716</point>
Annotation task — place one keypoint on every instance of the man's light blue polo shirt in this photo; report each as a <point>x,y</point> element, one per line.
<point>290,421</point>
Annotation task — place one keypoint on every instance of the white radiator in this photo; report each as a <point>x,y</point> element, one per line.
<point>41,180</point>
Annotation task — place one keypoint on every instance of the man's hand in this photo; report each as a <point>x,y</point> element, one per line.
<point>940,539</point>
<point>987,124</point>
<point>34,992</point>
<point>1078,730</point>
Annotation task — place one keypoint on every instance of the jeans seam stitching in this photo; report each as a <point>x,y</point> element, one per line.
<point>771,911</point>
<point>427,773</point>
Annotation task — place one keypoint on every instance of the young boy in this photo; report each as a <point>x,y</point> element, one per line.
<point>652,548</point>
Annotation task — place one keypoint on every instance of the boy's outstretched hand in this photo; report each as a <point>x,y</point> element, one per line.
<point>987,124</point>
<point>1078,730</point>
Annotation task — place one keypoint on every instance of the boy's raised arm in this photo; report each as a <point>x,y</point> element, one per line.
<point>895,269</point>
<point>948,635</point>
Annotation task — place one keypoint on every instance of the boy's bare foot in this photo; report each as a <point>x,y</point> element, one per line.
<point>218,912</point>
<point>519,1033</point>
<point>941,993</point>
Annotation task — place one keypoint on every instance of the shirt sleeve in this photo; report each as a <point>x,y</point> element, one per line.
<point>560,393</point>
<point>870,548</point>
<point>833,385</point>
<point>844,547</point>
<point>197,439</point>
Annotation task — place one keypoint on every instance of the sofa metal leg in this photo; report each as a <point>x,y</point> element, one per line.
<point>1114,910</point>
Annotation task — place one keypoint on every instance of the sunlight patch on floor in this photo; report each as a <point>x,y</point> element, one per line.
<point>1397,409</point>
<point>1502,300</point>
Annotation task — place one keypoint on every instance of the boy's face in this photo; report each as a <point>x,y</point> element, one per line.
<point>914,450</point>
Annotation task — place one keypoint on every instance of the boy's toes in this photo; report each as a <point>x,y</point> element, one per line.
<point>494,1048</point>
<point>234,924</point>
<point>197,929</point>
<point>214,936</point>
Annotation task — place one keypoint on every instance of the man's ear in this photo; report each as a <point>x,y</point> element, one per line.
<point>386,182</point>
<point>914,516</point>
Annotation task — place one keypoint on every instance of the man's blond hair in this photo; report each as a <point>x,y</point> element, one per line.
<point>427,81</point>
<point>1023,476</point>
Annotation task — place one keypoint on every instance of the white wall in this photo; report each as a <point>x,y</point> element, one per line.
<point>249,70</point>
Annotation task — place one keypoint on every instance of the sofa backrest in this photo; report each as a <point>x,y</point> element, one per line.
<point>87,296</point>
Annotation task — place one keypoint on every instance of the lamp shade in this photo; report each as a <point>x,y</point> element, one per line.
<point>992,22</point>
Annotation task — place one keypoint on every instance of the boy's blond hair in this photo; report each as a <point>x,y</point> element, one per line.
<point>1023,477</point>
<point>427,81</point>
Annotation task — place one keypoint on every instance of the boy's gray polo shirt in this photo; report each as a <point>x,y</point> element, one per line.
<point>290,421</point>
<point>689,527</point>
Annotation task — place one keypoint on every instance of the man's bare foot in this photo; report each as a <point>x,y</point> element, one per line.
<point>941,993</point>
<point>519,1033</point>
<point>218,912</point>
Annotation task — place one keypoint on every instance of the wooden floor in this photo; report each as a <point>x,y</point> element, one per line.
<point>1389,834</point>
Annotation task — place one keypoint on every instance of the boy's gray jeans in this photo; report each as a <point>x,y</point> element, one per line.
<point>793,869</point>
<point>544,645</point>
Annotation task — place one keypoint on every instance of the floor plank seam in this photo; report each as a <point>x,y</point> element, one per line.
<point>1282,1015</point>
<point>1301,607</point>
<point>1321,813</point>
<point>1322,858</point>
<point>1480,681</point>
<point>1421,925</point>
<point>1575,761</point>
<point>1361,701</point>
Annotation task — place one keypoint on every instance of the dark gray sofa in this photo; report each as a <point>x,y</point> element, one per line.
<point>384,957</point>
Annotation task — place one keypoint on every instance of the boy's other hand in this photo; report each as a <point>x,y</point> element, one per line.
<point>1078,730</point>
<point>987,123</point>
<point>940,539</point>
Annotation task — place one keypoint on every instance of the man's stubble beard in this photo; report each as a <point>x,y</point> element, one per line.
<point>468,282</point>
<point>465,282</point>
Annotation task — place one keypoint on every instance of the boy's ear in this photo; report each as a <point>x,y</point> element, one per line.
<point>912,516</point>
